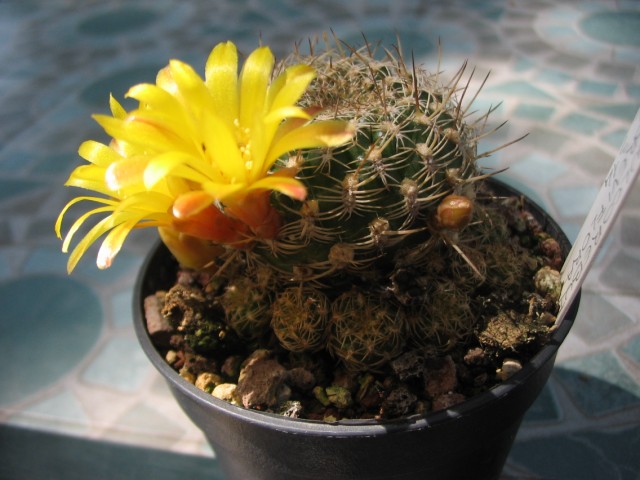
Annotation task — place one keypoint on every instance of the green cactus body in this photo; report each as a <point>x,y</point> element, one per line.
<point>378,194</point>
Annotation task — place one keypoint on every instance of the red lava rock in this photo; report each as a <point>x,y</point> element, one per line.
<point>475,356</point>
<point>552,250</point>
<point>440,376</point>
<point>447,400</point>
<point>158,326</point>
<point>301,378</point>
<point>261,379</point>
<point>399,402</point>
<point>408,365</point>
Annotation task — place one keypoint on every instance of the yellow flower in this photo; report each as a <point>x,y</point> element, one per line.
<point>196,158</point>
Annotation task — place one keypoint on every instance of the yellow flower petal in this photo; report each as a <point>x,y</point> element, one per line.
<point>116,109</point>
<point>146,134</point>
<point>71,203</point>
<point>112,244</point>
<point>254,80</point>
<point>191,203</point>
<point>329,133</point>
<point>126,174</point>
<point>282,113</point>
<point>222,147</point>
<point>222,191</point>
<point>98,153</point>
<point>289,186</point>
<point>180,165</point>
<point>192,90</point>
<point>221,74</point>
<point>165,81</point>
<point>158,100</point>
<point>290,85</point>
<point>98,230</point>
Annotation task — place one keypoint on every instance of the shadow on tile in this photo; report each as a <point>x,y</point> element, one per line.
<point>589,453</point>
<point>36,455</point>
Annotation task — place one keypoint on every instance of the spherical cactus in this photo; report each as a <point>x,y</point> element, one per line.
<point>366,331</point>
<point>247,307</point>
<point>301,318</point>
<point>383,191</point>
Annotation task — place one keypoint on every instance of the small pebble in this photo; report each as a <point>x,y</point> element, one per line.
<point>226,392</point>
<point>509,367</point>
<point>339,396</point>
<point>207,381</point>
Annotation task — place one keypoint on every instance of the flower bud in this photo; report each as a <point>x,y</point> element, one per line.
<point>454,212</point>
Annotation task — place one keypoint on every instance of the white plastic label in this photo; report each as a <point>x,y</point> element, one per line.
<point>601,217</point>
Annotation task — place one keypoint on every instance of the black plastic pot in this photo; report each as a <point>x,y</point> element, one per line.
<point>468,441</point>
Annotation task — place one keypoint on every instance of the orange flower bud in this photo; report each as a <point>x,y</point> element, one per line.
<point>454,212</point>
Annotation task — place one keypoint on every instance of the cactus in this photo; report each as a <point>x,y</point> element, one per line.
<point>380,195</point>
<point>390,218</point>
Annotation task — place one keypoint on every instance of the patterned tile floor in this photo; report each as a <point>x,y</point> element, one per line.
<point>75,387</point>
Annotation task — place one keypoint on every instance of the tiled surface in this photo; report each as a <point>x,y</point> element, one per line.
<point>567,72</point>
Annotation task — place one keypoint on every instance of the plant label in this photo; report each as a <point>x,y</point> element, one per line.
<point>615,188</point>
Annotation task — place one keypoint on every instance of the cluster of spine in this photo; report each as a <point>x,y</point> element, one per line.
<point>378,253</point>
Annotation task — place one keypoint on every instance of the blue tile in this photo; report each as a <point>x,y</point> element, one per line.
<point>534,112</point>
<point>5,268</point>
<point>61,409</point>
<point>590,455</point>
<point>632,349</point>
<point>120,354</point>
<point>617,28</point>
<point>539,168</point>
<point>64,456</point>
<point>629,55</point>
<point>599,384</point>
<point>615,138</point>
<point>126,264</point>
<point>622,111</point>
<point>633,90</point>
<point>48,324</point>
<point>523,64</point>
<point>96,94</point>
<point>582,123</point>
<point>598,88</point>
<point>47,259</point>
<point>574,201</point>
<point>521,88</point>
<point>121,314</point>
<point>553,76</point>
<point>622,273</point>
<point>544,410</point>
<point>558,32</point>
<point>600,318</point>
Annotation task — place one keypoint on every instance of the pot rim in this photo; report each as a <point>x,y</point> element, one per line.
<point>354,427</point>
